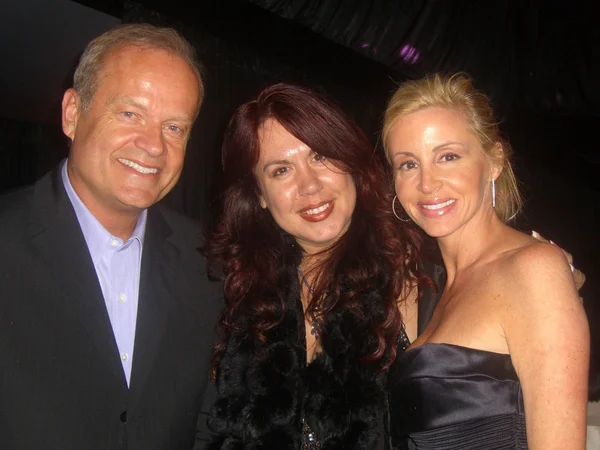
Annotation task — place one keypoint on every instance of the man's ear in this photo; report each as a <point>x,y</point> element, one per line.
<point>71,110</point>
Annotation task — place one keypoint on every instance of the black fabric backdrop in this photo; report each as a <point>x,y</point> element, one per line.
<point>245,46</point>
<point>531,54</point>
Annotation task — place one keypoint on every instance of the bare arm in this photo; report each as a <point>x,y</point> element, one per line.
<point>548,339</point>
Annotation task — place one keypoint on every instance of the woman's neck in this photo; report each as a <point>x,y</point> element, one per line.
<point>470,244</point>
<point>309,265</point>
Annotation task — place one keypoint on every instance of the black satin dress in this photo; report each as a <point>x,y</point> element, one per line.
<point>449,397</point>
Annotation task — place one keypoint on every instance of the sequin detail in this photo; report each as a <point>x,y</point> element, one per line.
<point>316,325</point>
<point>309,438</point>
<point>403,341</point>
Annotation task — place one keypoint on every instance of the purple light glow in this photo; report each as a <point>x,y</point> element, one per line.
<point>409,54</point>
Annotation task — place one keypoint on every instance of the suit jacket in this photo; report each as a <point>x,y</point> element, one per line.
<point>62,385</point>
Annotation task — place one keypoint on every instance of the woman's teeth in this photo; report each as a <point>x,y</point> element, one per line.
<point>439,205</point>
<point>317,210</point>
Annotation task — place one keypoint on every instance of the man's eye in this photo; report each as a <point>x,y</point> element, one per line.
<point>128,114</point>
<point>175,129</point>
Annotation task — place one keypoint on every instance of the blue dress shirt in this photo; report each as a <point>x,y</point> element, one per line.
<point>117,265</point>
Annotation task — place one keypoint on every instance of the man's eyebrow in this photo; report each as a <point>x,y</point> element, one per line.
<point>138,104</point>
<point>132,102</point>
<point>183,119</point>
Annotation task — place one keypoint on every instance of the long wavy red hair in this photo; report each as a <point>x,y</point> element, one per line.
<point>248,250</point>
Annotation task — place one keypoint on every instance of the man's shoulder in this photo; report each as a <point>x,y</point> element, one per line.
<point>186,235</point>
<point>184,230</point>
<point>178,221</point>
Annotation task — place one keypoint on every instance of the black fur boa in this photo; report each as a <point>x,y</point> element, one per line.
<point>265,388</point>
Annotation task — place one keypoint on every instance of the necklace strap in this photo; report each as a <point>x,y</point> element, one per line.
<point>305,281</point>
<point>316,324</point>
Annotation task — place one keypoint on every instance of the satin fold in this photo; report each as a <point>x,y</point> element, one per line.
<point>445,396</point>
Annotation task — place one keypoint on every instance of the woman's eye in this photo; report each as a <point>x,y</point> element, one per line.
<point>407,165</point>
<point>280,171</point>
<point>319,158</point>
<point>450,157</point>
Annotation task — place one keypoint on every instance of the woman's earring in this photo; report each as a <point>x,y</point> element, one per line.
<point>493,193</point>
<point>394,210</point>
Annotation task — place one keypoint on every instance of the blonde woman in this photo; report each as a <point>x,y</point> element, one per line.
<point>503,362</point>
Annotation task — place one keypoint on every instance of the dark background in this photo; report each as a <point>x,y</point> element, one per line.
<point>537,60</point>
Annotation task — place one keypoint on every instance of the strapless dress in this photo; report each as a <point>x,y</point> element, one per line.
<point>449,397</point>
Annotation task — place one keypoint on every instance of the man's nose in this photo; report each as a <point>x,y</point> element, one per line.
<point>152,140</point>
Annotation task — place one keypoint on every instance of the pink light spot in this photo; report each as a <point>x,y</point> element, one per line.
<point>409,54</point>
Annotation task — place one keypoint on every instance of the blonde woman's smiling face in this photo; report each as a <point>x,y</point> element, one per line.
<point>442,177</point>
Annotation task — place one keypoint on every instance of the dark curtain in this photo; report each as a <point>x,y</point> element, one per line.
<point>525,54</point>
<point>28,151</point>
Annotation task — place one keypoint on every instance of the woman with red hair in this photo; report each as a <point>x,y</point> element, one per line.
<point>313,264</point>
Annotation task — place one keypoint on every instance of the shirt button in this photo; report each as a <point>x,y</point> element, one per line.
<point>114,242</point>
<point>124,356</point>
<point>122,298</point>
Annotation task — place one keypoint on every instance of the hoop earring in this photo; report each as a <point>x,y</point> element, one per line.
<point>493,193</point>
<point>394,210</point>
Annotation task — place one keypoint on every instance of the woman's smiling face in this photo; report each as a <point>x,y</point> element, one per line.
<point>442,177</point>
<point>308,196</point>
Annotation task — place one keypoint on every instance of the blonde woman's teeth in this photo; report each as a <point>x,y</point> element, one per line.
<point>439,205</point>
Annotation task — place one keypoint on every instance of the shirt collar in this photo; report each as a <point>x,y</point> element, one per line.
<point>96,236</point>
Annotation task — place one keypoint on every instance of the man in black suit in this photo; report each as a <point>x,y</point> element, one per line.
<point>106,315</point>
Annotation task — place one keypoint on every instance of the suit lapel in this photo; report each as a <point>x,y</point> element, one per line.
<point>56,234</point>
<point>157,282</point>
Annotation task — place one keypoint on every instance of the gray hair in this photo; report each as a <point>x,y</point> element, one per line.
<point>86,78</point>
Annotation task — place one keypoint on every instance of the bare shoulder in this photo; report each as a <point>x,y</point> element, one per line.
<point>538,292</point>
<point>536,265</point>
<point>534,278</point>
